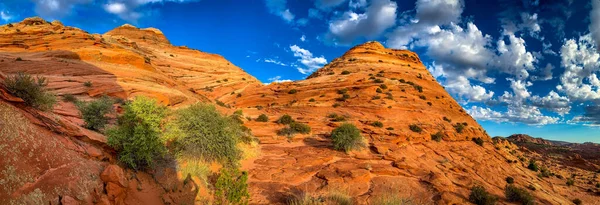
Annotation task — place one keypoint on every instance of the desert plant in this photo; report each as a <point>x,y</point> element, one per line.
<point>459,127</point>
<point>377,124</point>
<point>570,182</point>
<point>533,165</point>
<point>446,119</point>
<point>531,187</point>
<point>577,201</point>
<point>32,91</point>
<point>437,136</point>
<point>87,84</point>
<point>300,127</point>
<point>347,137</point>
<point>200,131</point>
<point>480,196</point>
<point>336,105</point>
<point>510,180</point>
<point>377,80</point>
<point>544,172</point>
<point>339,198</point>
<point>422,97</point>
<point>415,128</point>
<point>292,91</point>
<point>18,59</point>
<point>94,112</point>
<point>378,90</point>
<point>342,91</point>
<point>136,138</point>
<point>345,72</point>
<point>262,118</point>
<point>69,98</point>
<point>516,194</point>
<point>285,119</point>
<point>311,100</point>
<point>478,140</point>
<point>231,187</point>
<point>389,128</point>
<point>383,86</point>
<point>337,118</point>
<point>343,98</point>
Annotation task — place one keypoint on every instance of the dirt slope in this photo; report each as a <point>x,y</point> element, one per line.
<point>128,61</point>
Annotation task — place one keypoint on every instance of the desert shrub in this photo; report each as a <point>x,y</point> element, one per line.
<point>200,131</point>
<point>378,90</point>
<point>377,124</point>
<point>300,127</point>
<point>377,97</point>
<point>437,136</point>
<point>446,119</point>
<point>311,100</point>
<point>544,172</point>
<point>87,84</point>
<point>510,180</point>
<point>136,138</point>
<point>339,198</point>
<point>478,141</point>
<point>383,86</point>
<point>459,127</point>
<point>393,199</point>
<point>18,59</point>
<point>342,91</point>
<point>516,194</point>
<point>32,91</point>
<point>533,166</point>
<point>285,119</point>
<point>343,98</point>
<point>262,118</point>
<point>292,91</point>
<point>231,187</point>
<point>69,98</point>
<point>336,105</point>
<point>422,97</point>
<point>570,182</point>
<point>577,201</point>
<point>429,103</point>
<point>531,187</point>
<point>94,112</point>
<point>337,118</point>
<point>377,80</point>
<point>347,137</point>
<point>415,128</point>
<point>389,128</point>
<point>345,72</point>
<point>480,196</point>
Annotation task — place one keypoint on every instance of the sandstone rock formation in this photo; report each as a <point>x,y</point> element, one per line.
<point>50,157</point>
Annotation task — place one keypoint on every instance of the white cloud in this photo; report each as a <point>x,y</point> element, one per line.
<point>314,13</point>
<point>461,86</point>
<point>268,60</point>
<point>514,59</point>
<point>355,4</point>
<point>545,74</point>
<point>580,60</point>
<point>278,7</point>
<point>350,26</point>
<point>553,102</point>
<point>5,16</point>
<point>307,59</point>
<point>277,79</point>
<point>303,38</point>
<point>439,12</point>
<point>595,21</point>
<point>115,8</point>
<point>522,114</point>
<point>547,49</point>
<point>56,8</point>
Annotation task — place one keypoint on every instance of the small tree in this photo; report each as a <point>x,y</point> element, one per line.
<point>480,196</point>
<point>262,118</point>
<point>136,138</point>
<point>232,187</point>
<point>347,137</point>
<point>94,112</point>
<point>32,91</point>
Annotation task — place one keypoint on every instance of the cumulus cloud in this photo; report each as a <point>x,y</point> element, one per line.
<point>519,114</point>
<point>309,62</point>
<point>545,74</point>
<point>514,59</point>
<point>277,79</point>
<point>590,116</point>
<point>595,22</point>
<point>580,60</point>
<point>461,86</point>
<point>553,102</point>
<point>5,16</point>
<point>439,12</point>
<point>350,26</point>
<point>278,7</point>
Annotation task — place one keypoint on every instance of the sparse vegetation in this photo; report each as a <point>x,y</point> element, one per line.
<point>18,59</point>
<point>577,201</point>
<point>415,128</point>
<point>311,100</point>
<point>422,97</point>
<point>136,138</point>
<point>480,196</point>
<point>570,182</point>
<point>347,137</point>
<point>231,187</point>
<point>337,118</point>
<point>478,140</point>
<point>377,124</point>
<point>459,127</point>
<point>379,90</point>
<point>437,136</point>
<point>285,119</point>
<point>446,119</point>
<point>516,194</point>
<point>377,80</point>
<point>510,180</point>
<point>32,91</point>
<point>262,118</point>
<point>533,165</point>
<point>69,98</point>
<point>345,72</point>
<point>292,91</point>
<point>87,84</point>
<point>383,86</point>
<point>94,113</point>
<point>336,105</point>
<point>389,128</point>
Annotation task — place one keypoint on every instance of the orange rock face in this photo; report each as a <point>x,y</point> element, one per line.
<point>368,84</point>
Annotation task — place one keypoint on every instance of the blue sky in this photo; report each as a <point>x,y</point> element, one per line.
<point>517,66</point>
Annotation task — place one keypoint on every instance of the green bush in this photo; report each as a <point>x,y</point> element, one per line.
<point>300,127</point>
<point>533,166</point>
<point>285,119</point>
<point>437,136</point>
<point>480,196</point>
<point>337,118</point>
<point>544,172</point>
<point>459,127</point>
<point>94,112</point>
<point>347,137</point>
<point>335,105</point>
<point>262,118</point>
<point>136,138</point>
<point>478,140</point>
<point>87,84</point>
<point>311,100</point>
<point>422,97</point>
<point>383,86</point>
<point>345,72</point>
<point>570,182</point>
<point>343,98</point>
<point>415,128</point>
<point>377,124</point>
<point>378,90</point>
<point>32,91</point>
<point>201,131</point>
<point>510,180</point>
<point>377,80</point>
<point>69,98</point>
<point>446,119</point>
<point>342,91</point>
<point>515,194</point>
<point>231,187</point>
<point>292,91</point>
<point>577,201</point>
